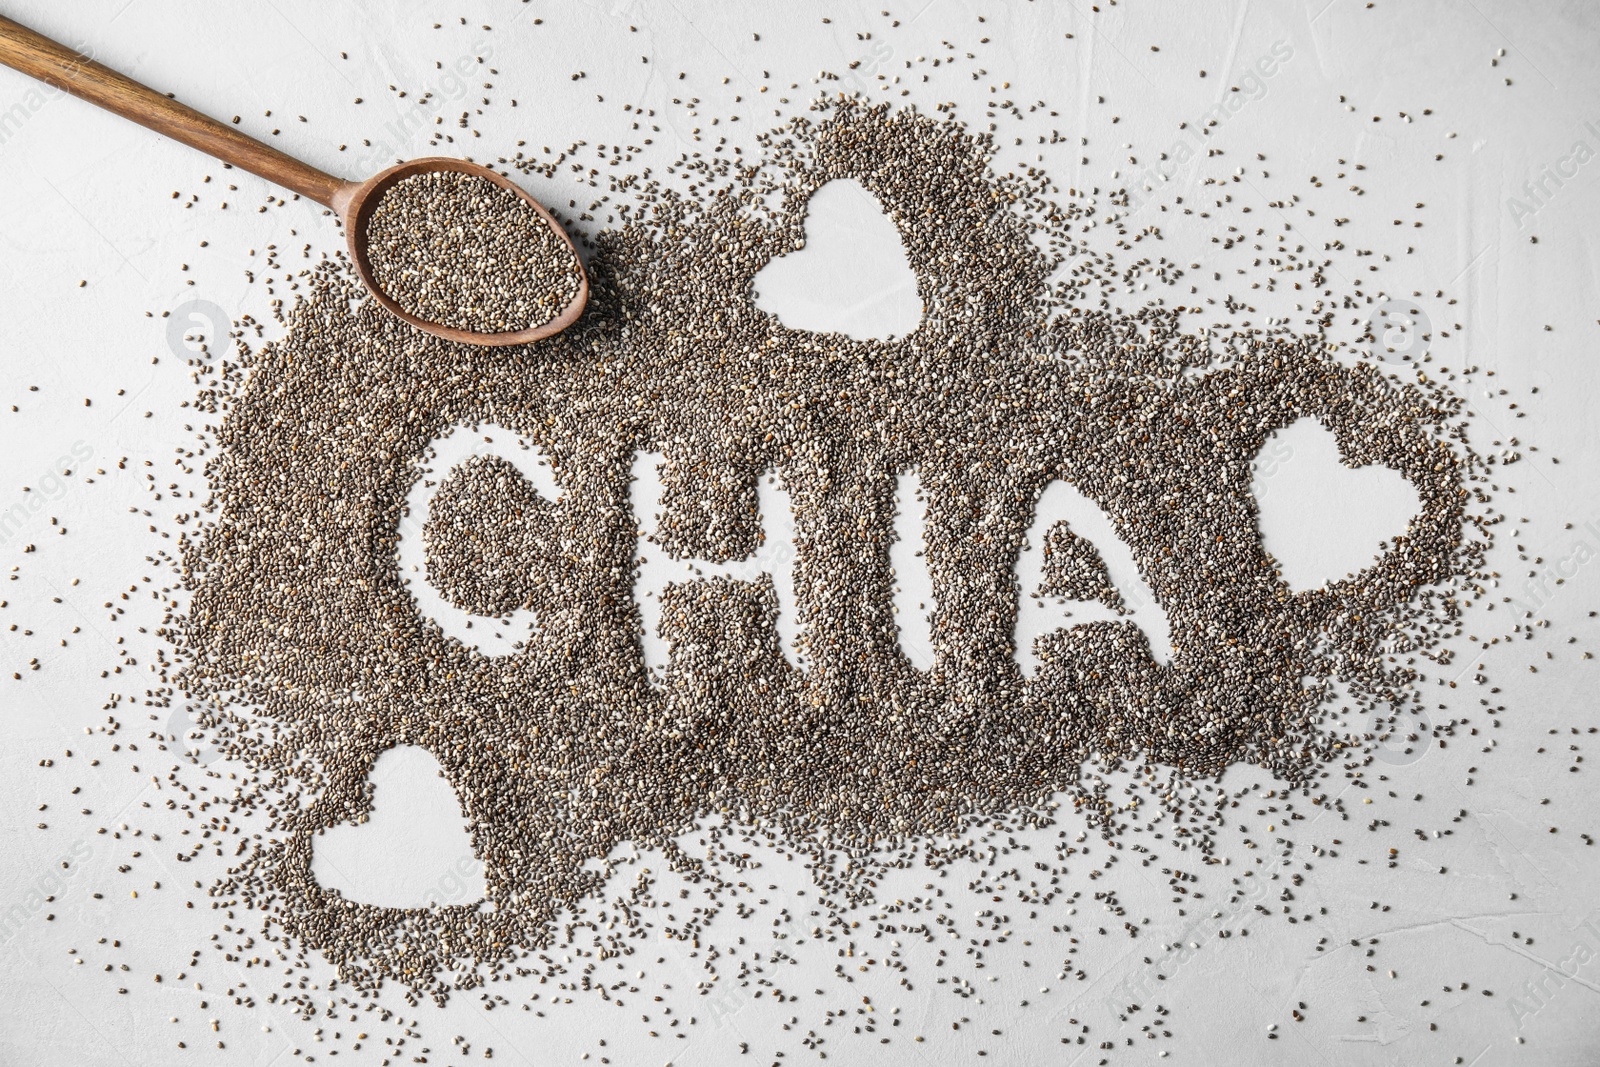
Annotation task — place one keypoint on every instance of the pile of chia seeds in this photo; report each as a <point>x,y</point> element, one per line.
<point>307,657</point>
<point>458,250</point>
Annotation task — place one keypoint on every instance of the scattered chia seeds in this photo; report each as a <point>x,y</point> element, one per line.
<point>457,250</point>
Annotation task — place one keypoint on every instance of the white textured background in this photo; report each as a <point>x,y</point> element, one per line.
<point>90,197</point>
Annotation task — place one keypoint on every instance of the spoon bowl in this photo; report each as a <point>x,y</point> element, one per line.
<point>356,202</point>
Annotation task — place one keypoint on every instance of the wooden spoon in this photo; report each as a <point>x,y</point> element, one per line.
<point>51,62</point>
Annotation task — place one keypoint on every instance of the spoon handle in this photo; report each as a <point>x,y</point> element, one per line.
<point>55,64</point>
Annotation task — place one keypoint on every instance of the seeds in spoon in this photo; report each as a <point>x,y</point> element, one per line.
<point>458,250</point>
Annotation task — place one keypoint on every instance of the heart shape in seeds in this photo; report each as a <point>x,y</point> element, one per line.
<point>1321,519</point>
<point>850,276</point>
<point>413,851</point>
